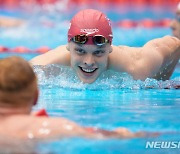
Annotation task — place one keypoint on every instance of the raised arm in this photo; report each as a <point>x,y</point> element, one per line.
<point>152,59</point>
<point>59,55</point>
<point>169,48</point>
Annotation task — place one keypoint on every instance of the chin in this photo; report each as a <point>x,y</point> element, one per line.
<point>88,81</point>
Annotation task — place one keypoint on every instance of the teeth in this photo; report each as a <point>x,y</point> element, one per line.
<point>88,70</point>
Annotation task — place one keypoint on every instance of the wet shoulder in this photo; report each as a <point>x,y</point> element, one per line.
<point>59,55</point>
<point>121,58</point>
<point>116,57</point>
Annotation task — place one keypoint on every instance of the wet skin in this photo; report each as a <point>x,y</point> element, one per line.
<point>175,25</point>
<point>89,61</point>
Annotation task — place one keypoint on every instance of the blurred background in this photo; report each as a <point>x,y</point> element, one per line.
<point>37,23</point>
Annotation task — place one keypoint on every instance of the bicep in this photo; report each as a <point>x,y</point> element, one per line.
<point>148,63</point>
<point>138,62</point>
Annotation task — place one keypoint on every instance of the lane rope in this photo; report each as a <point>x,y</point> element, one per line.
<point>126,23</point>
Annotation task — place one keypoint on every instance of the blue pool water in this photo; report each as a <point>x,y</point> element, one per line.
<point>110,102</point>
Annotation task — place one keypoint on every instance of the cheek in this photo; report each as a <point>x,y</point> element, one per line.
<point>75,60</point>
<point>177,31</point>
<point>178,27</point>
<point>103,61</point>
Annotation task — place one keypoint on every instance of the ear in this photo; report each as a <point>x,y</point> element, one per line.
<point>36,97</point>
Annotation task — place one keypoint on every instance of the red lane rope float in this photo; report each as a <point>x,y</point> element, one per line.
<point>43,49</point>
<point>3,49</point>
<point>164,23</point>
<point>147,23</point>
<point>126,23</point>
<point>22,49</point>
<point>122,2</point>
<point>17,3</point>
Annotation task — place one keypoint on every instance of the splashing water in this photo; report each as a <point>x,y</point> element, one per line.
<point>65,77</point>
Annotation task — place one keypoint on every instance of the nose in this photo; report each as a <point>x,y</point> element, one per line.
<point>89,60</point>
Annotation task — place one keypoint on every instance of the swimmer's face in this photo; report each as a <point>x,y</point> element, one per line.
<point>175,26</point>
<point>89,61</point>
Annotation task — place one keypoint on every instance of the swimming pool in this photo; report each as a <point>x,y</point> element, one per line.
<point>116,101</point>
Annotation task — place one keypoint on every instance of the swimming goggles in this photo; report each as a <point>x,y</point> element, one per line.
<point>97,39</point>
<point>177,17</point>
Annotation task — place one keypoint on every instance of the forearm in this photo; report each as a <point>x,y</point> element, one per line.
<point>58,128</point>
<point>120,133</point>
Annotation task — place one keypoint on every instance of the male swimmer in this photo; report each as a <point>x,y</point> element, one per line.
<point>18,94</point>
<point>90,51</point>
<point>175,24</point>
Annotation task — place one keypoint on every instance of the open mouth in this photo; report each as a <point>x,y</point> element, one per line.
<point>88,70</point>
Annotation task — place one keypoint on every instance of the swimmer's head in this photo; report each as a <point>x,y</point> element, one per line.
<point>90,27</point>
<point>18,83</point>
<point>90,38</point>
<point>175,24</point>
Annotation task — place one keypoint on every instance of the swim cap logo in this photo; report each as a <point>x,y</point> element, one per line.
<point>89,31</point>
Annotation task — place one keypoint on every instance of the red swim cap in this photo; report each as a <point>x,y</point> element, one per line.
<point>90,22</point>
